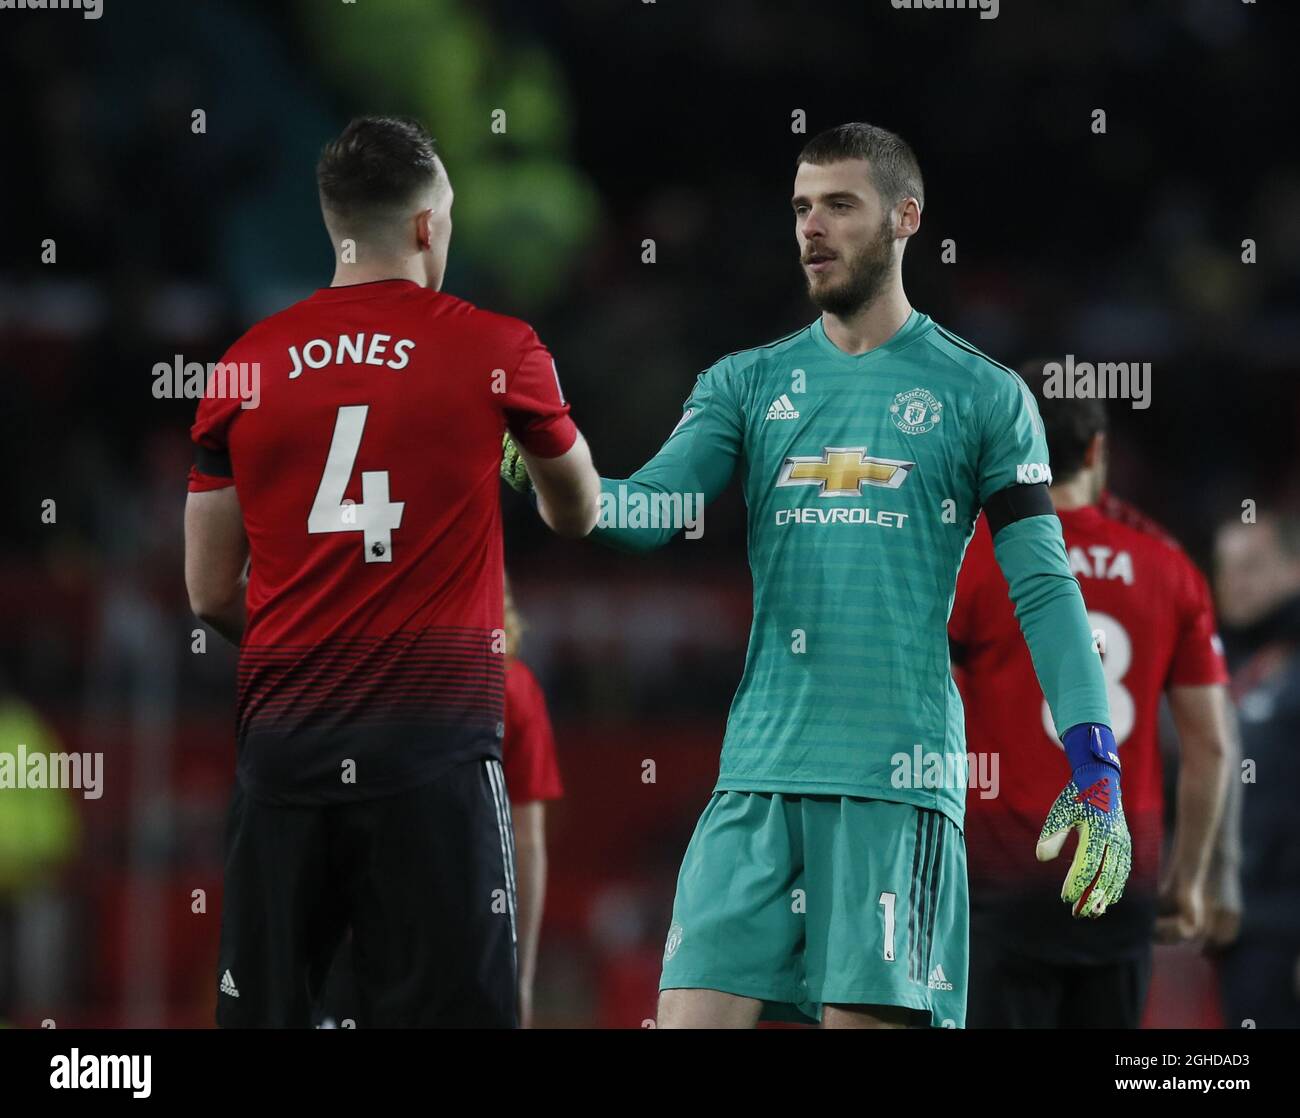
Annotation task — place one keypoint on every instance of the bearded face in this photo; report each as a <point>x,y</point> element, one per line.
<point>845,234</point>
<point>852,277</point>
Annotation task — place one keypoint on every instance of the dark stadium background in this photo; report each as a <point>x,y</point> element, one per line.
<point>626,121</point>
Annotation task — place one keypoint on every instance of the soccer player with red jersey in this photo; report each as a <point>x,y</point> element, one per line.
<point>346,533</point>
<point>1153,620</point>
<point>532,775</point>
<point>532,778</point>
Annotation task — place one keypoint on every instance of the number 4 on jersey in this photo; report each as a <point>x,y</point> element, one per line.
<point>376,517</point>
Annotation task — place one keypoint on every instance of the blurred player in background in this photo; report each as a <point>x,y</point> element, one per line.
<point>1031,966</point>
<point>1258,580</point>
<point>532,775</point>
<point>40,832</point>
<point>363,485</point>
<point>826,879</point>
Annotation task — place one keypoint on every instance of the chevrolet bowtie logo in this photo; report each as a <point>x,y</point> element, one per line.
<point>841,471</point>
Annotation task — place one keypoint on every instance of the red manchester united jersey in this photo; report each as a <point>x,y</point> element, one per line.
<point>528,751</point>
<point>1152,616</point>
<point>367,474</point>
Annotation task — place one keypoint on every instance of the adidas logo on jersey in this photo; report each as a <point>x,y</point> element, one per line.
<point>228,985</point>
<point>782,408</point>
<point>938,980</point>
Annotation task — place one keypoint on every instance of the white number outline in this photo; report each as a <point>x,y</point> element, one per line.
<point>376,518</point>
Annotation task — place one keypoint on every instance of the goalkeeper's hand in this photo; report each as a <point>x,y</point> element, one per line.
<point>1091,805</point>
<point>513,471</point>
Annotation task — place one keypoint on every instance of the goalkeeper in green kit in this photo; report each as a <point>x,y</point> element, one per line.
<point>826,878</point>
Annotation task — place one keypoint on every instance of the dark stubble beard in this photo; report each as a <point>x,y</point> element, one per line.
<point>868,271</point>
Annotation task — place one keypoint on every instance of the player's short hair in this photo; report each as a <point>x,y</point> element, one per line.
<point>1070,425</point>
<point>378,164</point>
<point>894,168</point>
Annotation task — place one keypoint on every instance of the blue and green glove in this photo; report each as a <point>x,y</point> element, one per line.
<point>1091,805</point>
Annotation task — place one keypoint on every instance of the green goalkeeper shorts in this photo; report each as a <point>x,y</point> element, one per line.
<point>803,901</point>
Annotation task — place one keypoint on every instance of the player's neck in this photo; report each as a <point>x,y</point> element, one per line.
<point>1073,494</point>
<point>871,326</point>
<point>376,271</point>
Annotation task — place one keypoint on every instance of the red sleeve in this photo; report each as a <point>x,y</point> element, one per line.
<point>1198,656</point>
<point>536,412</point>
<point>210,435</point>
<point>528,758</point>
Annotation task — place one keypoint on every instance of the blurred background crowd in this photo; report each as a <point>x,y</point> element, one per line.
<point>624,122</point>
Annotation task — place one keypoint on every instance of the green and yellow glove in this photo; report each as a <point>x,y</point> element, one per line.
<point>513,471</point>
<point>1091,805</point>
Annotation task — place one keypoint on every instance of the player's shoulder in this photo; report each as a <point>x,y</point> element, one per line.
<point>450,312</point>
<point>756,360</point>
<point>1124,517</point>
<point>984,371</point>
<point>436,307</point>
<point>1130,527</point>
<point>506,327</point>
<point>265,331</point>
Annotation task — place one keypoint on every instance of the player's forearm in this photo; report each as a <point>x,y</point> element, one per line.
<point>572,520</point>
<point>637,516</point>
<point>668,494</point>
<point>530,865</point>
<point>1225,861</point>
<point>1225,851</point>
<point>1054,621</point>
<point>567,489</point>
<point>227,618</point>
<point>1202,776</point>
<point>216,560</point>
<point>530,895</point>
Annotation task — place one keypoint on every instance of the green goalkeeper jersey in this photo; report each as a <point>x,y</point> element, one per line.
<point>863,478</point>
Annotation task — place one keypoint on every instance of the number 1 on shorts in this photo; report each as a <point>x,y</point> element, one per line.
<point>887,903</point>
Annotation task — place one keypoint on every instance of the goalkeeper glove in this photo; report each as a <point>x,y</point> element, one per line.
<point>1091,805</point>
<point>513,471</point>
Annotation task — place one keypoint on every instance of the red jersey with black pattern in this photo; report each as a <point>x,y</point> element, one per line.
<point>366,463</point>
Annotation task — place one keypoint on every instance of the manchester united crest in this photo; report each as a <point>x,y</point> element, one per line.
<point>915,412</point>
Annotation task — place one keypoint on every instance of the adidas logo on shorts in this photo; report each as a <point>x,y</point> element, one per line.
<point>228,985</point>
<point>782,408</point>
<point>938,980</point>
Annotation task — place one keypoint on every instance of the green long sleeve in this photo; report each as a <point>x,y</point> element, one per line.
<point>1054,620</point>
<point>693,466</point>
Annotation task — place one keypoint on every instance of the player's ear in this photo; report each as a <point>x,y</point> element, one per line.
<point>907,217</point>
<point>1096,452</point>
<point>424,230</point>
